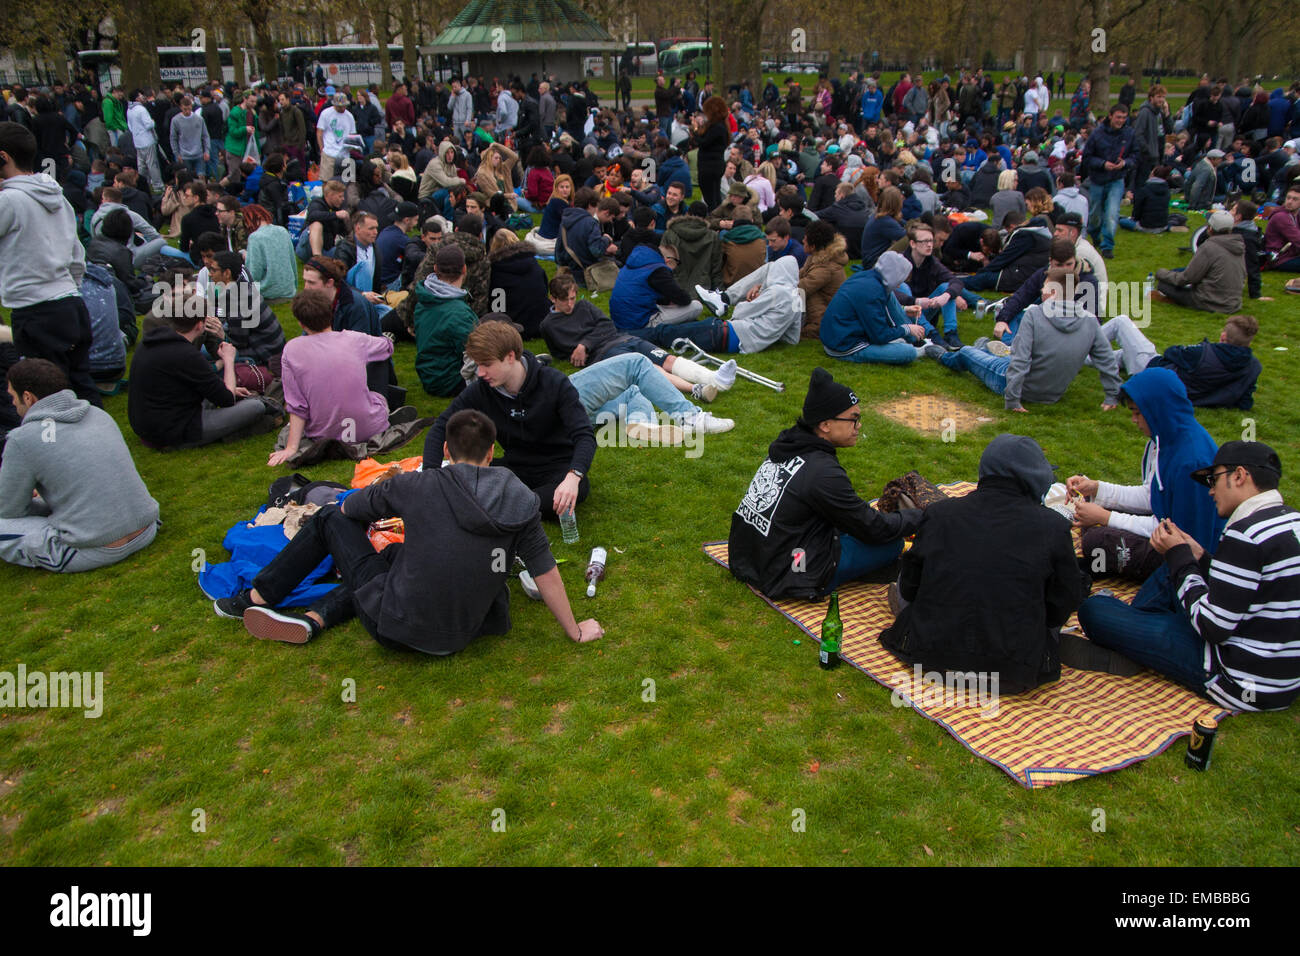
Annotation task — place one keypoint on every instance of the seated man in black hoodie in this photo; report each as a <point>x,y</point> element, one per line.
<point>1218,374</point>
<point>441,588</point>
<point>548,439</point>
<point>849,215</point>
<point>801,530</point>
<point>990,578</point>
<point>1024,253</point>
<point>1150,204</point>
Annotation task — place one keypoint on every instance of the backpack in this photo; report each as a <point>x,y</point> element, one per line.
<point>108,346</point>
<point>299,489</point>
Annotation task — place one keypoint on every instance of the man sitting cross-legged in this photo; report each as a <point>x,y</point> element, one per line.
<point>441,588</point>
<point>1048,351</point>
<point>991,576</point>
<point>70,496</point>
<point>577,329</point>
<point>1226,627</point>
<point>801,530</point>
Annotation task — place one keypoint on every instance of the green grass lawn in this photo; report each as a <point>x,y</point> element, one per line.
<point>558,740</point>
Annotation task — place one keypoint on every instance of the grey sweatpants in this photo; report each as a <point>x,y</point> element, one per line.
<point>220,422</point>
<point>1136,350</point>
<point>676,314</point>
<point>34,542</point>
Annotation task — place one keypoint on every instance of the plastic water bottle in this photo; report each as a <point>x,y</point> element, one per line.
<point>569,527</point>
<point>595,570</point>
<point>1148,285</point>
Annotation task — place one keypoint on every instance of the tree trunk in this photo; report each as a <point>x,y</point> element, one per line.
<point>379,19</point>
<point>211,51</point>
<point>410,39</point>
<point>1030,66</point>
<point>237,53</point>
<point>137,47</point>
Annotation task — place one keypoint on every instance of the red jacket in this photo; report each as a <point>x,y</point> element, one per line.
<point>1283,233</point>
<point>400,108</point>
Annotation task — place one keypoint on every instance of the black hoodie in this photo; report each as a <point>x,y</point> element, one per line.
<point>543,427</point>
<point>447,583</point>
<point>801,499</point>
<point>170,378</point>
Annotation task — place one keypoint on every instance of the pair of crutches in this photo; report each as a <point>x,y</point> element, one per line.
<point>681,346</point>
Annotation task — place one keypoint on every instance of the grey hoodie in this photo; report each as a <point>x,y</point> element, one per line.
<point>447,584</point>
<point>1049,349</point>
<point>894,268</point>
<point>75,457</point>
<point>41,258</point>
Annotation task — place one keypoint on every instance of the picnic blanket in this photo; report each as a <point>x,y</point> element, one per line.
<point>1082,725</point>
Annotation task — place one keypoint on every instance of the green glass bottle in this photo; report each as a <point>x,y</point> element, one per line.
<point>832,631</point>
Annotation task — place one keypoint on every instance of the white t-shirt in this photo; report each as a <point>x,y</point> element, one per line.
<point>336,126</point>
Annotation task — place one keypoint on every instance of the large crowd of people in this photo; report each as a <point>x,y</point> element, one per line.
<point>865,215</point>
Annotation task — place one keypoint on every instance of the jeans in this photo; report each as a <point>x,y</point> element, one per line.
<point>1154,631</point>
<point>525,205</point>
<point>1103,212</point>
<point>216,159</point>
<point>897,352</point>
<point>708,334</point>
<point>858,558</point>
<point>197,166</point>
<point>989,369</point>
<point>948,311</point>
<point>630,383</point>
<point>327,533</point>
<point>1136,350</point>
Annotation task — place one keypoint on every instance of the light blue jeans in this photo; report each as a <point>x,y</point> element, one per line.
<point>629,381</point>
<point>948,311</point>
<point>897,352</point>
<point>525,205</point>
<point>989,369</point>
<point>1103,212</point>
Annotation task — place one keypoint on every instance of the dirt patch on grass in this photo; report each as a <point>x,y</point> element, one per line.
<point>933,415</point>
<point>9,782</point>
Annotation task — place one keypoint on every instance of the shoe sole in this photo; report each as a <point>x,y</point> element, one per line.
<point>708,393</point>
<point>1082,654</point>
<point>270,625</point>
<point>664,435</point>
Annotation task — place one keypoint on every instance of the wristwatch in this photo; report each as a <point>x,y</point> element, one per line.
<point>574,471</point>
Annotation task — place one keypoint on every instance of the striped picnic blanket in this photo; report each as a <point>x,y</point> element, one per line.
<point>1084,724</point>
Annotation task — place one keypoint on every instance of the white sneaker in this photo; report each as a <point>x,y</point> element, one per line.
<point>706,423</point>
<point>725,376</point>
<point>704,393</point>
<point>711,299</point>
<point>529,585</point>
<point>997,347</point>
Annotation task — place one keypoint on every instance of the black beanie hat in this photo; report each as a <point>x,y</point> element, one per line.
<point>826,398</point>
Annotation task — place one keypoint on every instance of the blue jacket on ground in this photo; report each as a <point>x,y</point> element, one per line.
<point>633,301</point>
<point>1182,446</point>
<point>862,308</point>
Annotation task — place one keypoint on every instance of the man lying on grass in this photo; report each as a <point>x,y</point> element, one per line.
<point>441,588</point>
<point>801,530</point>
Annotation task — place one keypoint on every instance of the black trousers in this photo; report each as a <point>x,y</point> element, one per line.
<point>329,533</point>
<point>544,481</point>
<point>59,330</point>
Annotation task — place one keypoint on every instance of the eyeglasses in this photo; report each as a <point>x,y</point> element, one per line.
<point>1212,479</point>
<point>857,422</point>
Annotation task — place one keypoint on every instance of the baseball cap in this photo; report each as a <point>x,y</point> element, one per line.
<point>1215,154</point>
<point>1233,453</point>
<point>1220,221</point>
<point>340,99</point>
<point>405,210</point>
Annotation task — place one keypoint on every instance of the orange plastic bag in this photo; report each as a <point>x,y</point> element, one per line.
<point>368,471</point>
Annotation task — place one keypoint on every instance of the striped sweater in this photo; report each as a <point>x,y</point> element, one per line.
<point>1247,606</point>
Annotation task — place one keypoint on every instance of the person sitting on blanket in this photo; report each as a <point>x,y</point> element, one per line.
<point>548,439</point>
<point>623,391</point>
<point>578,330</point>
<point>1218,374</point>
<point>1118,520</point>
<point>326,392</point>
<point>1046,355</point>
<point>990,577</point>
<point>441,588</point>
<point>801,531</point>
<point>1231,632</point>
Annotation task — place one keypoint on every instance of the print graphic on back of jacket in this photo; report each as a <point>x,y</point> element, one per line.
<point>765,493</point>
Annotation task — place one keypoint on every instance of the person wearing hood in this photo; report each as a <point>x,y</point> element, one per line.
<point>801,503</point>
<point>985,181</point>
<point>41,265</point>
<point>582,238</point>
<point>445,585</point>
<point>1213,280</point>
<point>1047,353</point>
<point>765,306</point>
<point>70,496</point>
<point>865,322</point>
<point>848,215</point>
<point>1118,520</point>
<point>440,175</point>
<point>1222,627</point>
<point>990,578</point>
<point>1031,174</point>
<point>821,275</point>
<point>443,321</point>
<point>1220,374</point>
<point>548,440</point>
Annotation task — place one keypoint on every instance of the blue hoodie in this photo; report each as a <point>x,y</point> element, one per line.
<point>1181,446</point>
<point>1279,110</point>
<point>865,308</point>
<point>674,170</point>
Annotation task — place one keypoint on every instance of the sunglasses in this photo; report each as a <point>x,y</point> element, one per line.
<point>1212,478</point>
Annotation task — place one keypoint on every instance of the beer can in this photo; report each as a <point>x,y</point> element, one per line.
<point>1201,743</point>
